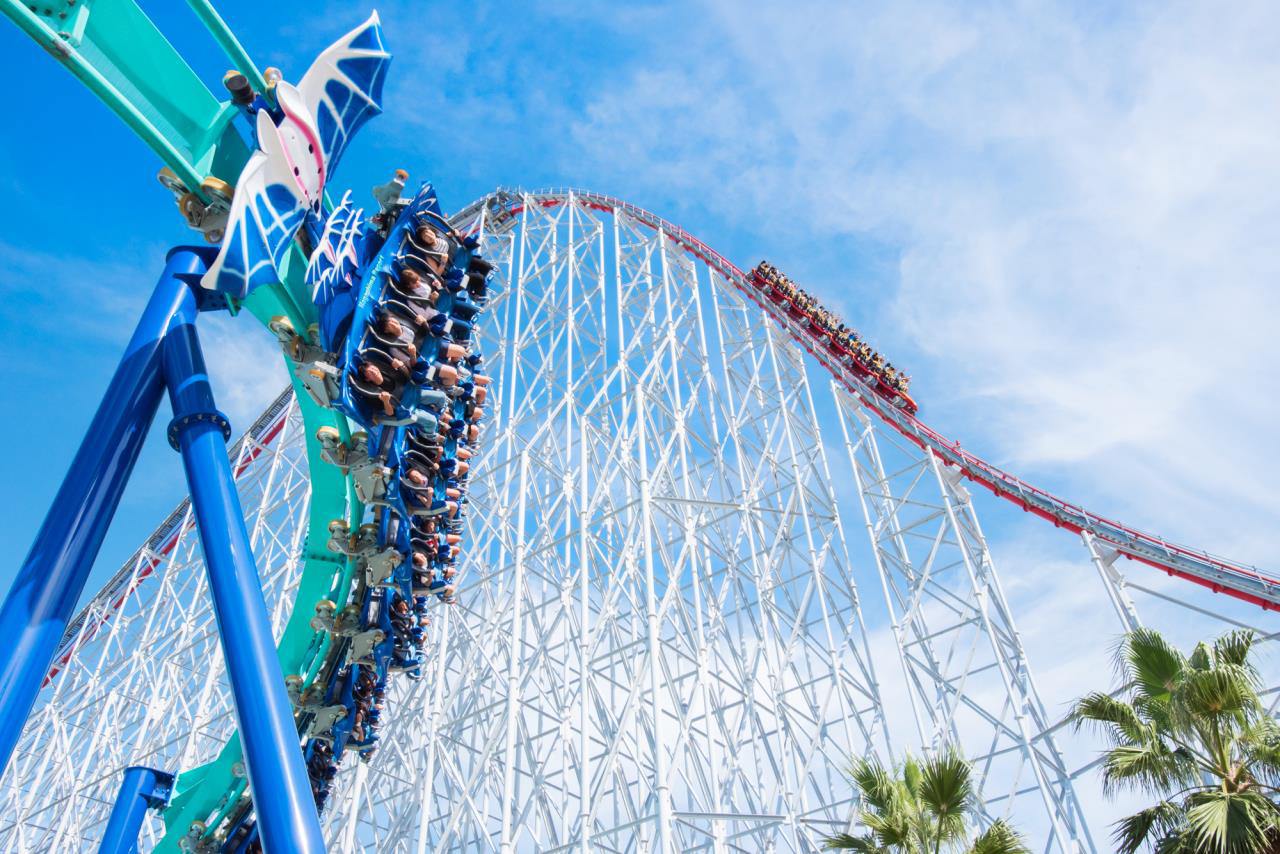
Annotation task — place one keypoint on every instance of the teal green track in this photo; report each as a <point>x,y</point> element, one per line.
<point>115,50</point>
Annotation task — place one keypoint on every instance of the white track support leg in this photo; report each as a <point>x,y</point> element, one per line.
<point>689,670</point>
<point>1112,581</point>
<point>964,662</point>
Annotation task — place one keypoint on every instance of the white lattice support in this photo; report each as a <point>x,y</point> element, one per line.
<point>965,666</point>
<point>659,643</point>
<point>1104,560</point>
<point>693,672</point>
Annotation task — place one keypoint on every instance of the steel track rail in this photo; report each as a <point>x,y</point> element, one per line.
<point>1220,575</point>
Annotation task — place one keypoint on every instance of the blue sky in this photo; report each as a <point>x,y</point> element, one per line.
<point>1061,218</point>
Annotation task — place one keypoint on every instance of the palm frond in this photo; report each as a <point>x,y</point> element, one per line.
<point>1155,712</point>
<point>1234,647</point>
<point>892,828</point>
<point>1178,842</point>
<point>1151,767</point>
<point>1200,657</point>
<point>999,838</point>
<point>878,788</point>
<point>1115,718</point>
<point>911,777</point>
<point>946,790</point>
<point>845,842</point>
<point>1223,691</point>
<point>1151,825</point>
<point>1260,744</point>
<point>1230,822</point>
<point>1155,665</point>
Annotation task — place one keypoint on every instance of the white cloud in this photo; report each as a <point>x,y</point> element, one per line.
<point>1083,209</point>
<point>1083,206</point>
<point>246,368</point>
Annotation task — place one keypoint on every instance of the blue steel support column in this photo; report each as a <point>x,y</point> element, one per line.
<point>283,803</point>
<point>142,789</point>
<point>40,603</point>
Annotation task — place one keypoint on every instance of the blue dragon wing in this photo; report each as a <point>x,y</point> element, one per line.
<point>336,256</point>
<point>343,87</point>
<point>338,94</point>
<point>266,211</point>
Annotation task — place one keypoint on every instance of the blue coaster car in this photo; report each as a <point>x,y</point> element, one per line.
<point>399,298</point>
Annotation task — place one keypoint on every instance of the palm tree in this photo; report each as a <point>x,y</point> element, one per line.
<point>921,809</point>
<point>1191,731</point>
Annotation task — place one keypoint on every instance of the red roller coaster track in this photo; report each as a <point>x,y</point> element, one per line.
<point>1219,575</point>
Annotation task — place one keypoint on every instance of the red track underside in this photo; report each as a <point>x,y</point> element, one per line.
<point>899,413</point>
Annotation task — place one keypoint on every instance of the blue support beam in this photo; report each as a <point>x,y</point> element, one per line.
<point>41,601</point>
<point>142,789</point>
<point>164,351</point>
<point>282,798</point>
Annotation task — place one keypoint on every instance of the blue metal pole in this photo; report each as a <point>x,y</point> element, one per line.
<point>43,596</point>
<point>142,789</point>
<point>282,798</point>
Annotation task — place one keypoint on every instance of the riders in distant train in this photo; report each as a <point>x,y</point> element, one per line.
<point>889,382</point>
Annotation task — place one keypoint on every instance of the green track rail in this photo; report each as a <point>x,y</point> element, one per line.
<point>116,51</point>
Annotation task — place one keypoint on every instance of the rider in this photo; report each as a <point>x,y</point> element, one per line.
<point>378,388</point>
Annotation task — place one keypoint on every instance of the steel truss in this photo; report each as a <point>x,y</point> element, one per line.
<point>659,644</point>
<point>969,680</point>
<point>968,677</point>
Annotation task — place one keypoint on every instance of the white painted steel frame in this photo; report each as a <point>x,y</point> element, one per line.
<point>969,680</point>
<point>659,643</point>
